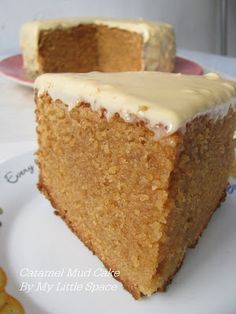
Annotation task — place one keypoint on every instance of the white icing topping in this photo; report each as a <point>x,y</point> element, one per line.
<point>159,39</point>
<point>156,98</point>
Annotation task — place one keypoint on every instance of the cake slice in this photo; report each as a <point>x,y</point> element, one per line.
<point>93,44</point>
<point>135,163</point>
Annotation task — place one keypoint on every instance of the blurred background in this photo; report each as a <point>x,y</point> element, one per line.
<point>197,22</point>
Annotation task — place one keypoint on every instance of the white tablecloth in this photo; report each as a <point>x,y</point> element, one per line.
<point>17,120</point>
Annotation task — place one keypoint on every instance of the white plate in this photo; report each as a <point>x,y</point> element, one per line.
<point>33,238</point>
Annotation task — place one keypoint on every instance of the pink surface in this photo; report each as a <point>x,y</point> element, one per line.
<point>12,68</point>
<point>186,66</point>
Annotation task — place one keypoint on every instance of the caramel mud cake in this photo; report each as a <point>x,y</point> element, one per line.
<point>84,45</point>
<point>135,163</point>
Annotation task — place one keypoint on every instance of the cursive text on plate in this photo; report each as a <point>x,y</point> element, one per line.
<point>14,177</point>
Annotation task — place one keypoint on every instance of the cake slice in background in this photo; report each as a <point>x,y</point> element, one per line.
<point>135,163</point>
<point>94,44</point>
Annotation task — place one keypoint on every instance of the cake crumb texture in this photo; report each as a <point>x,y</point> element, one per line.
<point>138,203</point>
<point>87,48</point>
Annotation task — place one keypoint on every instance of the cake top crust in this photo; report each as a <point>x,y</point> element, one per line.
<point>159,99</point>
<point>140,26</point>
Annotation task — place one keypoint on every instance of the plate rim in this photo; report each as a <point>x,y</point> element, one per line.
<point>30,83</point>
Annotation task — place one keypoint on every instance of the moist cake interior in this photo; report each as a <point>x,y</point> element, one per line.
<point>92,48</point>
<point>137,203</point>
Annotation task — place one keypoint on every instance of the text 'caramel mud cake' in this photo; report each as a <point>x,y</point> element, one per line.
<point>95,44</point>
<point>135,163</point>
